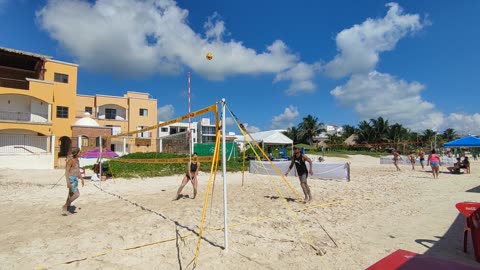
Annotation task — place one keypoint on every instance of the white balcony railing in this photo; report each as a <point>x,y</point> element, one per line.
<point>24,117</point>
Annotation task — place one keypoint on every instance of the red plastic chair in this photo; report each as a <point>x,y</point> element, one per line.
<point>471,211</point>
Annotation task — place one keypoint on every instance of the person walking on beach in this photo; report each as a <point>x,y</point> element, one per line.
<point>434,162</point>
<point>192,173</point>
<point>421,155</point>
<point>299,160</point>
<point>72,173</point>
<point>396,157</point>
<point>412,159</point>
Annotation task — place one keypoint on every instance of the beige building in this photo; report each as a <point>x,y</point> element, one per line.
<point>133,111</point>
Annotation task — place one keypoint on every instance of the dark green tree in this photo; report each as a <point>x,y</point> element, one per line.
<point>449,135</point>
<point>365,132</point>
<point>348,131</point>
<point>309,128</point>
<point>381,128</point>
<point>292,133</point>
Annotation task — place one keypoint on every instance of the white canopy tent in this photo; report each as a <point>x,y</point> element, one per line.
<point>271,137</point>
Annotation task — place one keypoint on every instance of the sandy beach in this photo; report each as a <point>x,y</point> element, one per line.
<point>134,224</point>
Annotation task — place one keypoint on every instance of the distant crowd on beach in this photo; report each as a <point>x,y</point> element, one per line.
<point>434,160</point>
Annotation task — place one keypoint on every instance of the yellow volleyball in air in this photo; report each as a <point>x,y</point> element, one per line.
<point>209,56</point>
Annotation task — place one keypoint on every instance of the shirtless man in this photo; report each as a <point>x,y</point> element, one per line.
<point>396,157</point>
<point>72,173</point>
<point>421,155</point>
<point>299,160</point>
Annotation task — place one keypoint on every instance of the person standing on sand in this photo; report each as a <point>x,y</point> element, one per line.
<point>396,157</point>
<point>434,162</point>
<point>72,173</point>
<point>421,155</point>
<point>192,173</point>
<point>412,159</point>
<point>299,160</point>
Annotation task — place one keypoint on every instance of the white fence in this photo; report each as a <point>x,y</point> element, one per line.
<point>321,170</point>
<point>24,117</point>
<point>18,143</point>
<point>19,151</point>
<point>405,160</point>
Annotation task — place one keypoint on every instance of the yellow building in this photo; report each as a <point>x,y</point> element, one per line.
<point>39,104</point>
<point>133,111</point>
<point>37,98</point>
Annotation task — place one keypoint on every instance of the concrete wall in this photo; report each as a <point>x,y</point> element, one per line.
<point>26,161</point>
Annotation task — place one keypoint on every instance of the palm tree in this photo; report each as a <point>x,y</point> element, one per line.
<point>292,133</point>
<point>429,136</point>
<point>380,127</point>
<point>309,128</point>
<point>334,139</point>
<point>398,133</point>
<point>365,132</point>
<point>348,131</point>
<point>449,135</point>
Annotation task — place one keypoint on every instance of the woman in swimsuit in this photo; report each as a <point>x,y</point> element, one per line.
<point>434,162</point>
<point>192,173</point>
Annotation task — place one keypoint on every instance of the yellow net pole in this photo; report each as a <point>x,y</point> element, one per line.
<point>211,108</point>
<point>244,153</point>
<point>205,203</point>
<point>282,176</point>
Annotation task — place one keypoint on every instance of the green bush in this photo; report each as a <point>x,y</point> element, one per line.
<point>140,170</point>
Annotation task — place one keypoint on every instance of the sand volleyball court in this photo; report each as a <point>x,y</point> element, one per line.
<point>134,224</point>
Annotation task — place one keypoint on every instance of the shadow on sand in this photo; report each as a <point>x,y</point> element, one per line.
<point>450,245</point>
<point>475,189</point>
<point>277,197</point>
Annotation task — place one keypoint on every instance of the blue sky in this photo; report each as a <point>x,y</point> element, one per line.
<point>343,61</point>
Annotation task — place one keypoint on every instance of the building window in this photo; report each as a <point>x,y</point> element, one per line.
<point>85,142</point>
<point>110,113</point>
<point>145,134</point>
<point>62,112</point>
<point>143,112</point>
<point>164,129</point>
<point>208,139</point>
<point>89,110</point>
<point>62,78</point>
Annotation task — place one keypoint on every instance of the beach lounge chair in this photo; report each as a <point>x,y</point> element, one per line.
<point>471,211</point>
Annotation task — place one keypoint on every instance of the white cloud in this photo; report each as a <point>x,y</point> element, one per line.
<point>372,94</point>
<point>165,112</point>
<point>214,27</point>
<point>3,5</point>
<point>359,46</point>
<point>301,76</point>
<point>229,121</point>
<point>251,129</point>
<point>285,119</point>
<point>468,124</point>
<point>378,94</point>
<point>133,38</point>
